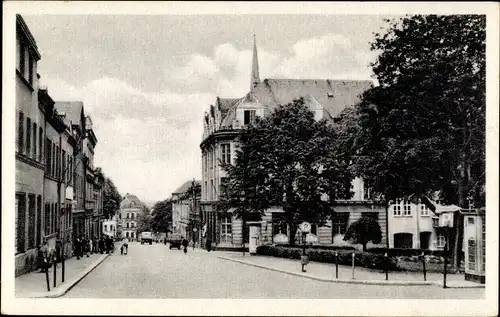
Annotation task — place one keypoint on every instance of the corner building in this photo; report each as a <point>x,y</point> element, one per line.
<point>222,125</point>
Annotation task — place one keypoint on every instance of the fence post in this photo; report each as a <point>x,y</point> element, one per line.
<point>353,256</point>
<point>47,278</point>
<point>386,267</point>
<point>423,263</point>
<point>55,272</point>
<point>63,269</point>
<point>336,265</point>
<point>445,271</point>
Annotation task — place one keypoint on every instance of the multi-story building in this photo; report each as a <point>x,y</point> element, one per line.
<point>185,210</point>
<point>30,167</point>
<point>131,208</point>
<point>74,116</point>
<point>92,186</point>
<point>222,125</point>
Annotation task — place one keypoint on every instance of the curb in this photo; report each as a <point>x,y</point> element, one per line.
<point>363,282</point>
<point>66,286</point>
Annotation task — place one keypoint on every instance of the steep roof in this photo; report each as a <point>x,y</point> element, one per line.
<point>72,110</point>
<point>131,200</point>
<point>184,187</point>
<point>333,95</point>
<point>225,104</point>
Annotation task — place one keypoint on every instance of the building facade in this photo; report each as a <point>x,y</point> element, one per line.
<point>222,125</point>
<point>30,121</point>
<point>109,226</point>
<point>185,211</point>
<point>131,209</point>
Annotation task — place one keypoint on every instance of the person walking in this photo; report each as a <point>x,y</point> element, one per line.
<point>78,248</point>
<point>185,244</point>
<point>101,245</point>
<point>125,246</point>
<point>208,245</point>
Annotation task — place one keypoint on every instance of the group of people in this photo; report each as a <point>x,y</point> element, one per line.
<point>84,246</point>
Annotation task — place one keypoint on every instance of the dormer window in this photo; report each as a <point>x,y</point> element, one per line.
<point>249,116</point>
<point>330,94</point>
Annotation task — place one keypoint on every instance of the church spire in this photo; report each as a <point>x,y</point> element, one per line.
<point>255,66</point>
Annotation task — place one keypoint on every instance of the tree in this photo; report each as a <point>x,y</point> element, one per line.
<point>364,230</point>
<point>111,197</point>
<point>161,217</point>
<point>282,162</point>
<point>422,130</point>
<point>144,223</point>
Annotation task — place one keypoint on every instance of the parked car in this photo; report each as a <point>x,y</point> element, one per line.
<point>174,240</point>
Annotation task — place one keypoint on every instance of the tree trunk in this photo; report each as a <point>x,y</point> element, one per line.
<point>293,232</point>
<point>364,247</point>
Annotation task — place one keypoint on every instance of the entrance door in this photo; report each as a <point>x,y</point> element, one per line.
<point>425,238</point>
<point>403,240</point>
<point>254,238</point>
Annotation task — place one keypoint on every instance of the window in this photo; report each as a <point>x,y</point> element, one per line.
<point>54,159</point>
<point>340,220</point>
<point>424,211</point>
<point>48,157</point>
<point>472,254</point>
<point>133,215</point>
<point>249,116</point>
<point>407,208</point>
<point>110,227</point>
<point>30,69</point>
<point>31,220</point>
<point>22,57</point>
<point>226,153</point>
<point>40,145</point>
<point>28,137</point>
<point>397,209</point>
<point>314,229</point>
<point>20,221</point>
<point>370,214</point>
<point>105,227</point>
<point>470,220</point>
<point>20,133</point>
<point>226,230</point>
<point>128,225</point>
<point>47,219</point>
<point>211,189</point>
<point>126,234</point>
<point>35,148</point>
<point>280,227</point>
<point>38,219</point>
<point>206,190</point>
<point>441,241</point>
<point>128,215</point>
<point>435,222</point>
<point>403,240</point>
<point>63,171</point>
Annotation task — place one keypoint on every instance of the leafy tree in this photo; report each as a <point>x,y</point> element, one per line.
<point>364,230</point>
<point>422,129</point>
<point>111,196</point>
<point>161,217</point>
<point>282,162</point>
<point>144,223</point>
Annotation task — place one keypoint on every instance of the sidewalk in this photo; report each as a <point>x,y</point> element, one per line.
<point>34,284</point>
<point>326,272</point>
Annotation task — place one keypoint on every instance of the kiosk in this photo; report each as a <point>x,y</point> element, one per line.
<point>474,245</point>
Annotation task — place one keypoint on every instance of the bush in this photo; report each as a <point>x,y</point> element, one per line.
<point>363,259</point>
<point>317,247</point>
<point>407,252</point>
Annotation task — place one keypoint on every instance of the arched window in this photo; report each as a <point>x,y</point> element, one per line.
<point>133,215</point>
<point>128,215</point>
<point>105,228</point>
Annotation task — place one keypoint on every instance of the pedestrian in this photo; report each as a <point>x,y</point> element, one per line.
<point>78,247</point>
<point>185,244</point>
<point>108,245</point>
<point>165,241</point>
<point>193,244</point>
<point>42,260</point>
<point>208,245</point>
<point>125,245</point>
<point>101,245</point>
<point>95,245</point>
<point>85,248</point>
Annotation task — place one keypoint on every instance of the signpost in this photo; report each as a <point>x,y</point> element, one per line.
<point>305,228</point>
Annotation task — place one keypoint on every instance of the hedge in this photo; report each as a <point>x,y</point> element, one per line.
<point>408,252</point>
<point>363,259</point>
<point>317,247</point>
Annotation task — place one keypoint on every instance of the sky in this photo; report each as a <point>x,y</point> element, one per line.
<point>146,81</point>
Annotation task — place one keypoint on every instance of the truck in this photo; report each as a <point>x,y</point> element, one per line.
<point>146,237</point>
<point>174,240</point>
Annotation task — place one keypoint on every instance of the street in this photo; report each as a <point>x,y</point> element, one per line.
<point>154,271</point>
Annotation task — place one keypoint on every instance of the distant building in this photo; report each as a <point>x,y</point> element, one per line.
<point>185,210</point>
<point>222,125</point>
<point>109,226</point>
<point>131,208</point>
